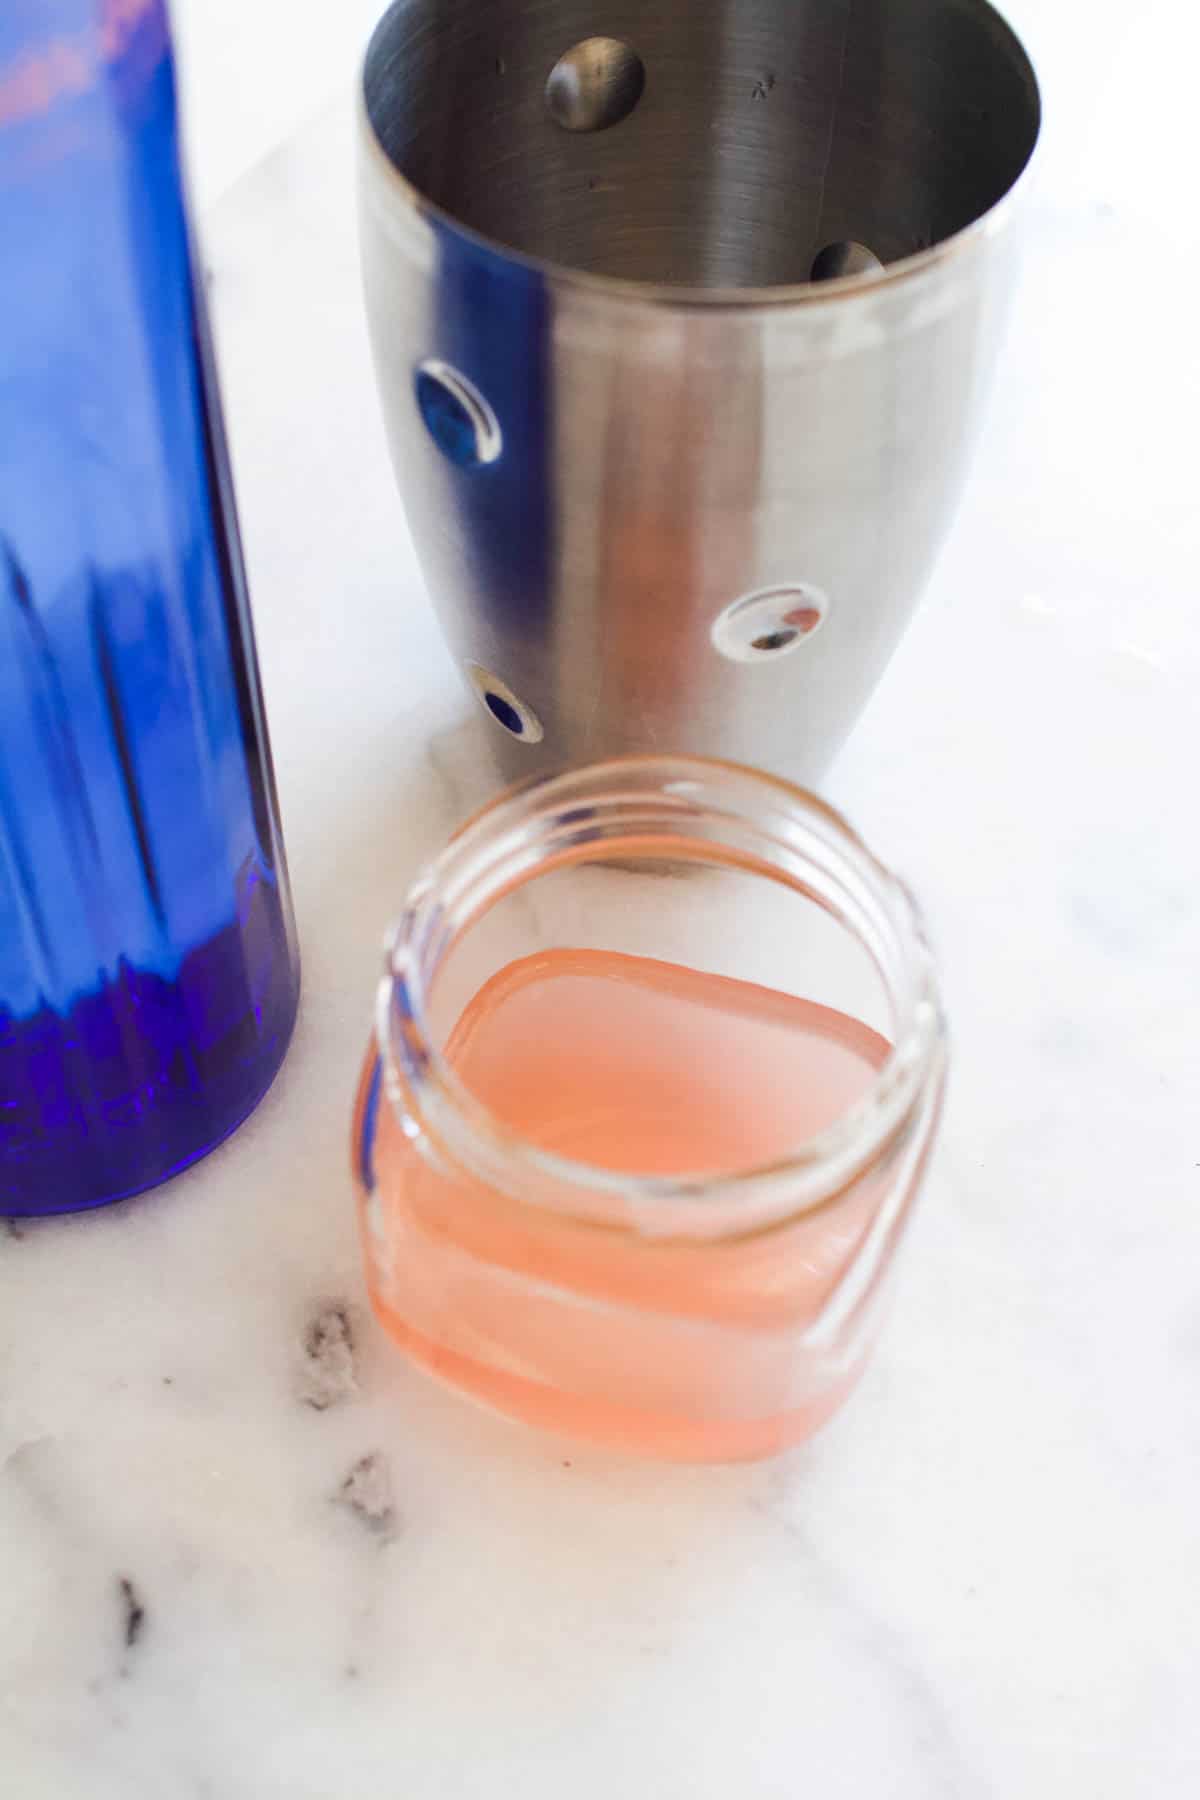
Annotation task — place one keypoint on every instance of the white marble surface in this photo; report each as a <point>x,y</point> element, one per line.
<point>984,1579</point>
<point>255,71</point>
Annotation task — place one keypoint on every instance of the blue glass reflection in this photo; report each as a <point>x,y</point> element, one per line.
<point>493,321</point>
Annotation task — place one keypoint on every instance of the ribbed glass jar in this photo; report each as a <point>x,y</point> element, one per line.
<point>658,1067</point>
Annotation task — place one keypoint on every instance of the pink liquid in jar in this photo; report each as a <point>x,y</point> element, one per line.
<point>688,1346</point>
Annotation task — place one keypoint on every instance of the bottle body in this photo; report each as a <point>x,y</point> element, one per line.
<point>148,970</point>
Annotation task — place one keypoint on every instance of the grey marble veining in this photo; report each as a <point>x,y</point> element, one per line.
<point>246,1553</point>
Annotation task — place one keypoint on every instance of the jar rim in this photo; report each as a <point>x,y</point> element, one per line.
<point>430,1099</point>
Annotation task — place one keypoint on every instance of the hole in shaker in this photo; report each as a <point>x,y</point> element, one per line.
<point>519,720</point>
<point>769,624</point>
<point>595,85</point>
<point>457,417</point>
<point>846,257</point>
<point>505,712</point>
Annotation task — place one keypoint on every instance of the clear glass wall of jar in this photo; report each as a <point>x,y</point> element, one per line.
<point>695,970</point>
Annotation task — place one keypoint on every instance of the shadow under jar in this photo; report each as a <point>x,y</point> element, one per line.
<point>674,310</point>
<point>658,1068</point>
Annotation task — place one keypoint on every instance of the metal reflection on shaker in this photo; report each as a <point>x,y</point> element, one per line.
<point>674,310</point>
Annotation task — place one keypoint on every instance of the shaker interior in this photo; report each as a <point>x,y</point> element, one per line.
<point>732,143</point>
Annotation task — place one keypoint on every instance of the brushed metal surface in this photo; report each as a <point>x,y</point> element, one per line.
<point>642,244</point>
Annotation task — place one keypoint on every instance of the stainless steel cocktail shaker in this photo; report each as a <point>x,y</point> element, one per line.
<point>682,316</point>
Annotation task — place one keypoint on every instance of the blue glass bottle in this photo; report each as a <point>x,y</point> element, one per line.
<point>148,969</point>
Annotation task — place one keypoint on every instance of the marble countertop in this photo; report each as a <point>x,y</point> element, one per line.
<point>246,1553</point>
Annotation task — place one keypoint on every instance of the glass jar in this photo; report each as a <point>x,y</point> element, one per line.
<point>659,1064</point>
<point>148,967</point>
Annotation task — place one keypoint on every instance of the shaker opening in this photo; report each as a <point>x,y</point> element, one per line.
<point>772,144</point>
